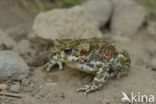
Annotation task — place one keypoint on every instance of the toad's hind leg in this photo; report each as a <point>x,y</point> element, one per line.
<point>121,64</point>
<point>101,77</point>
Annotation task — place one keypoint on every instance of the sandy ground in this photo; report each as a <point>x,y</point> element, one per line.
<point>59,87</point>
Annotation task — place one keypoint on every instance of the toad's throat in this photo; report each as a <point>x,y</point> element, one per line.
<point>81,67</point>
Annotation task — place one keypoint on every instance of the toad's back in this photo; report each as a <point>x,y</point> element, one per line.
<point>95,47</point>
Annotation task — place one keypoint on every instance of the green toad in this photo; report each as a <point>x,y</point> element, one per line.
<point>94,56</point>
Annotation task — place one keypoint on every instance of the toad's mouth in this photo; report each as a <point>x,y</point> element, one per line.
<point>65,58</point>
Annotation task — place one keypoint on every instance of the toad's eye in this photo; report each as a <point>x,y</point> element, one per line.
<point>67,51</point>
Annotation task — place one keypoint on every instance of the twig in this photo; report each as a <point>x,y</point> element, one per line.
<point>11,95</point>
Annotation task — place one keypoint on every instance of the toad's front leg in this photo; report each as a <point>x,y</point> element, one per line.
<point>51,63</point>
<point>101,77</point>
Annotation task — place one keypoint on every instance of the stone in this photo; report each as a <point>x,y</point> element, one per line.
<point>6,40</point>
<point>11,65</point>
<point>101,10</point>
<point>73,22</point>
<point>26,82</point>
<point>127,17</point>
<point>151,28</point>
<point>15,88</point>
<point>3,86</point>
<point>153,64</point>
<point>23,47</point>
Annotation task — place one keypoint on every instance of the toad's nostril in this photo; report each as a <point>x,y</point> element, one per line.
<point>67,50</point>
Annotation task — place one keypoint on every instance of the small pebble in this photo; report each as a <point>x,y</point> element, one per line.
<point>15,88</point>
<point>25,82</point>
<point>3,86</point>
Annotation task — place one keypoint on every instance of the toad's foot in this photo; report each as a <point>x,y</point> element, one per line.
<point>87,89</point>
<point>51,63</point>
<point>100,78</point>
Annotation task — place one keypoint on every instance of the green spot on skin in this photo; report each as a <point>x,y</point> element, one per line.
<point>59,57</point>
<point>89,87</point>
<point>100,75</point>
<point>98,66</point>
<point>52,54</point>
<point>83,52</point>
<point>58,53</point>
<point>96,83</point>
<point>74,54</point>
<point>65,58</point>
<point>129,61</point>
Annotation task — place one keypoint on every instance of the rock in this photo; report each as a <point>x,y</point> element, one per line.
<point>25,82</point>
<point>153,64</point>
<point>73,22</point>
<point>3,86</point>
<point>6,40</point>
<point>99,9</point>
<point>15,88</point>
<point>151,28</point>
<point>11,64</point>
<point>22,47</point>
<point>127,17</point>
<point>22,77</point>
<point>19,31</point>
